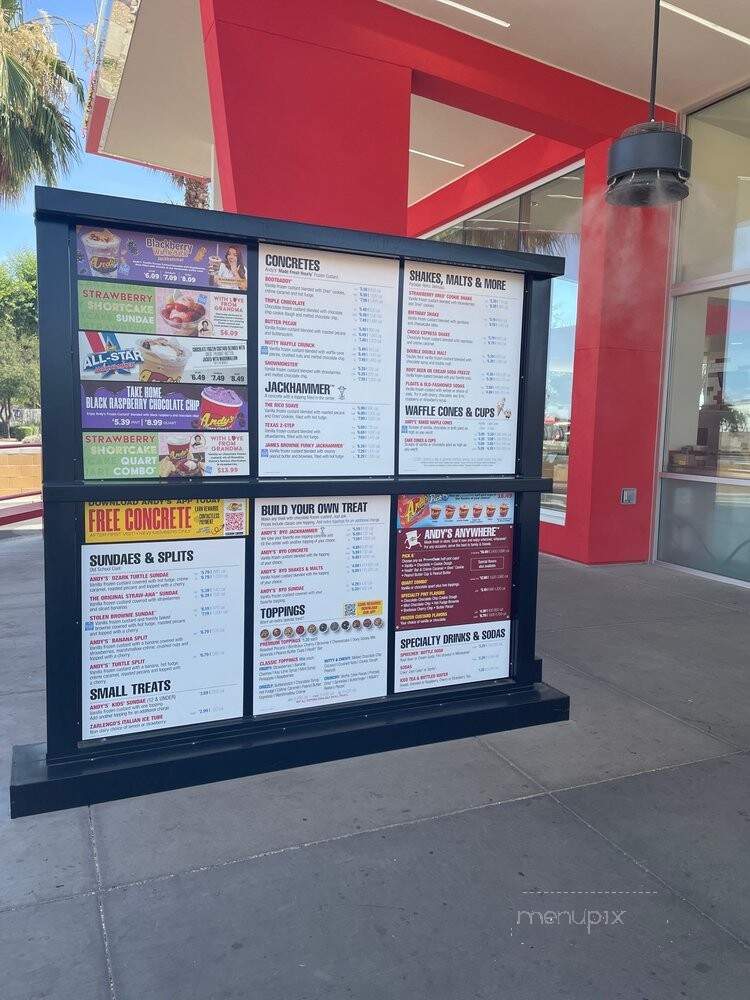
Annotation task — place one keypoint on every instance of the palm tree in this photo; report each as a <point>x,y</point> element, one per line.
<point>195,190</point>
<point>37,139</point>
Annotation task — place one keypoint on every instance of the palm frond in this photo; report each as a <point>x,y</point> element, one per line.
<point>37,138</point>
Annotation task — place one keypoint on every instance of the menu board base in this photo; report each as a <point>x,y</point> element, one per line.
<point>120,770</point>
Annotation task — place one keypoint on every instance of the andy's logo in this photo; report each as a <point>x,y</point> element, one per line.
<point>107,357</point>
<point>410,509</point>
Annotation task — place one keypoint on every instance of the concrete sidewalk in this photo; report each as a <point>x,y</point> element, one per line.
<point>607,857</point>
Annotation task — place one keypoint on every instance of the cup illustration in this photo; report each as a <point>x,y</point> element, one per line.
<point>219,408</point>
<point>102,248</point>
<point>163,361</point>
<point>463,511</point>
<point>450,510</point>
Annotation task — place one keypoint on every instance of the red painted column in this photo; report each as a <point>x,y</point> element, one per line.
<point>616,376</point>
<point>304,131</point>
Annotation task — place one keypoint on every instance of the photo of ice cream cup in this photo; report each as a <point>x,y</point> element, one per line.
<point>335,626</point>
<point>356,624</point>
<point>434,513</point>
<point>102,248</point>
<point>490,510</point>
<point>463,511</point>
<point>300,630</point>
<point>178,448</point>
<point>450,510</point>
<point>219,408</point>
<point>276,633</point>
<point>503,509</point>
<point>288,632</point>
<point>323,628</point>
<point>264,633</point>
<point>476,510</point>
<point>345,626</point>
<point>163,360</point>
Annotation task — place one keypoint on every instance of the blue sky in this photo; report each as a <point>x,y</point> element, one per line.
<point>91,173</point>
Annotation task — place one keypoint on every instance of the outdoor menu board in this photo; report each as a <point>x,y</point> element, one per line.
<point>326,363</point>
<point>453,589</point>
<point>291,485</point>
<point>162,634</point>
<point>321,601</point>
<point>460,366</point>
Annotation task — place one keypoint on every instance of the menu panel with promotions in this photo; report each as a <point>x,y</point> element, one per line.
<point>326,363</point>
<point>321,601</point>
<point>163,370</point>
<point>460,367</point>
<point>454,567</point>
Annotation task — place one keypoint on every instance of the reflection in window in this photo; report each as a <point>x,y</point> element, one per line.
<point>546,220</point>
<point>706,526</point>
<point>708,426</point>
<point>715,219</point>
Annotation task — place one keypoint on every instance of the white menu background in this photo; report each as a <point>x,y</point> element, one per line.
<point>460,367</point>
<point>326,363</point>
<point>162,634</point>
<point>321,601</point>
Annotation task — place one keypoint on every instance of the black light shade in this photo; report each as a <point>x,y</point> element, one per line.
<point>649,166</point>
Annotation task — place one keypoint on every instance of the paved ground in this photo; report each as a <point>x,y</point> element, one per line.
<point>419,874</point>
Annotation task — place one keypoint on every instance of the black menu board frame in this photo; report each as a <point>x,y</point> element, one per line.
<point>69,770</point>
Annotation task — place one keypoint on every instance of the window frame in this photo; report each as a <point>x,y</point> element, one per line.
<point>678,290</point>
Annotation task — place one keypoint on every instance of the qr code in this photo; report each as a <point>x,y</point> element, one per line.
<point>234,523</point>
<point>350,609</point>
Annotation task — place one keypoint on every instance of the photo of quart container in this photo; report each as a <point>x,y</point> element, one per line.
<point>220,408</point>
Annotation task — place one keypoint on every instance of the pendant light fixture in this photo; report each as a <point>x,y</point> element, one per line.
<point>650,163</point>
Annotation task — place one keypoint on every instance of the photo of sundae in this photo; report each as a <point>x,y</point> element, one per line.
<point>102,248</point>
<point>220,409</point>
<point>163,360</point>
<point>184,314</point>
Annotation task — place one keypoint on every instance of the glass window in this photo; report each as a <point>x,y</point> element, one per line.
<point>715,219</point>
<point>453,234</point>
<point>496,227</point>
<point>706,526</point>
<point>551,223</point>
<point>545,220</point>
<point>708,421</point>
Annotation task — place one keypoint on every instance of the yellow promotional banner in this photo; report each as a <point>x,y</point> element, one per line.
<point>162,520</point>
